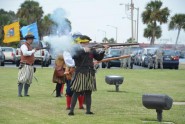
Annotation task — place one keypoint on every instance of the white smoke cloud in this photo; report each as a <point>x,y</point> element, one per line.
<point>62,26</point>
<point>61,39</point>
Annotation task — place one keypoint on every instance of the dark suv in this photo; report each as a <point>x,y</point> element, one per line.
<point>112,52</point>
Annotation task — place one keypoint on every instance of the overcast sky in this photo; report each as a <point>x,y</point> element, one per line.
<point>91,17</point>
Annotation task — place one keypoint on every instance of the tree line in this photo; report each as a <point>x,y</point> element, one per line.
<point>28,13</point>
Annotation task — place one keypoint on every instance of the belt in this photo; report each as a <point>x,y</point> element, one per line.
<point>26,63</point>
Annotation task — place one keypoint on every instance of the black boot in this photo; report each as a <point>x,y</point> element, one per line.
<point>88,102</point>
<point>20,85</point>
<point>73,103</point>
<point>26,88</point>
<point>58,88</point>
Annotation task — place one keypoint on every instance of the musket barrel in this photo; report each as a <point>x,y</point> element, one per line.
<point>100,45</point>
<point>113,58</point>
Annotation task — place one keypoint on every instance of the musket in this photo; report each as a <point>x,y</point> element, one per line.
<point>40,48</point>
<point>113,58</point>
<point>100,45</point>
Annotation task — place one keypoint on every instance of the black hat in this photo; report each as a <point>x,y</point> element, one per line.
<point>29,36</point>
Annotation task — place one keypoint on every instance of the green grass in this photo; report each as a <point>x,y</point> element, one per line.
<point>110,107</point>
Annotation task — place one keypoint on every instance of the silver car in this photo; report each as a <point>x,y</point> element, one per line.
<point>9,53</point>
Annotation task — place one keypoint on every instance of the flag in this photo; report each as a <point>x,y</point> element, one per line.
<point>12,33</point>
<point>32,28</point>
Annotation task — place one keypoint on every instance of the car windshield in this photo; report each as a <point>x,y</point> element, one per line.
<point>115,52</point>
<point>7,49</point>
<point>170,52</point>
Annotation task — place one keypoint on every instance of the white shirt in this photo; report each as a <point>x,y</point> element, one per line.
<point>69,61</point>
<point>25,51</point>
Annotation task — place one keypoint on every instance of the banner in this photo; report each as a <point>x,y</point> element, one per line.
<point>32,28</point>
<point>12,33</point>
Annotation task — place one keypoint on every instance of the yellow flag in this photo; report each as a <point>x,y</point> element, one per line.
<point>12,33</point>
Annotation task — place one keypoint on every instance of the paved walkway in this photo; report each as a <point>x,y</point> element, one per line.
<point>178,103</point>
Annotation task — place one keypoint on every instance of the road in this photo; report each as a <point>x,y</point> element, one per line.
<point>10,65</point>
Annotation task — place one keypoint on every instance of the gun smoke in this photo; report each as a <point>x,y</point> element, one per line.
<point>60,39</point>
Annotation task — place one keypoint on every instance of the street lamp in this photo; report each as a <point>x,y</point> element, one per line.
<point>116,28</point>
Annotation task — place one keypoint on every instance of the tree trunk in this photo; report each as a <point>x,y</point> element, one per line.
<point>179,29</point>
<point>153,37</point>
<point>153,33</point>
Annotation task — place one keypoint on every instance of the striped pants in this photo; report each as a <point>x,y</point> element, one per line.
<point>25,74</point>
<point>82,82</point>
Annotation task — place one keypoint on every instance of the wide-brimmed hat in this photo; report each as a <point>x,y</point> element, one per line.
<point>29,36</point>
<point>83,39</point>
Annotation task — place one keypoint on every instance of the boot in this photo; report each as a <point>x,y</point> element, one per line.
<point>26,88</point>
<point>58,88</point>
<point>20,86</point>
<point>68,102</point>
<point>88,103</point>
<point>73,103</point>
<point>81,101</point>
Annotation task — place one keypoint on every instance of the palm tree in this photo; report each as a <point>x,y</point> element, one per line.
<point>155,14</point>
<point>148,31</point>
<point>30,12</point>
<point>177,22</point>
<point>111,40</point>
<point>130,40</point>
<point>105,40</point>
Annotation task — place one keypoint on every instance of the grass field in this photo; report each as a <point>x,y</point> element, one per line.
<point>110,107</point>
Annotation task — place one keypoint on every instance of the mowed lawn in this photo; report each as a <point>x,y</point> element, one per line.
<point>110,107</point>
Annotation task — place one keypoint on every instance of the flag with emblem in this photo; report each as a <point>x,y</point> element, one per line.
<point>12,33</point>
<point>32,28</point>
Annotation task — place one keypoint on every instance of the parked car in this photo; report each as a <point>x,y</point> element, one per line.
<point>170,59</point>
<point>42,56</point>
<point>182,54</point>
<point>2,57</point>
<point>112,52</point>
<point>9,53</point>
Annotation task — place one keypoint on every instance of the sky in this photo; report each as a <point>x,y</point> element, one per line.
<point>92,17</point>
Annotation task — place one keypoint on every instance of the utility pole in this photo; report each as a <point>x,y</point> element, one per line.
<point>132,31</point>
<point>137,21</point>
